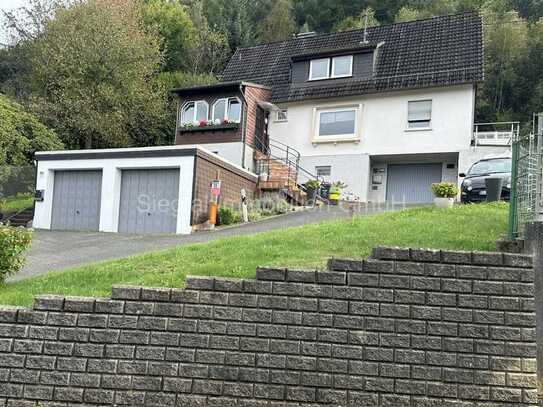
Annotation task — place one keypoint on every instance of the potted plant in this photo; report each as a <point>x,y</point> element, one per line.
<point>312,186</point>
<point>335,192</point>
<point>444,192</point>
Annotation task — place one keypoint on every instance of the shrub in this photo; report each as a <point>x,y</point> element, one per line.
<point>269,205</point>
<point>445,190</point>
<point>13,243</point>
<point>228,216</point>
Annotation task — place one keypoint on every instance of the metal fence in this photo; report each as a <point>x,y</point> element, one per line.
<point>526,198</point>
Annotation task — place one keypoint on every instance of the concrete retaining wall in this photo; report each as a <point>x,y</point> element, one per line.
<point>406,328</point>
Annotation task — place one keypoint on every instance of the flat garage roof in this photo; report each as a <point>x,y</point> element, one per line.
<point>142,152</point>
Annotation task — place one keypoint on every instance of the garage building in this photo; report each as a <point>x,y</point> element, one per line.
<point>133,190</point>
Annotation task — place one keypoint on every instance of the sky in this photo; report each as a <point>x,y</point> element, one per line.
<point>9,5</point>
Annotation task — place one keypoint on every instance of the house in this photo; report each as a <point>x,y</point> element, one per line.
<point>387,111</point>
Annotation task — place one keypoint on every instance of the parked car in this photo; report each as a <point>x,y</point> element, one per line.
<point>473,187</point>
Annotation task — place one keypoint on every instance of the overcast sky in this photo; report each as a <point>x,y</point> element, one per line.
<point>9,5</point>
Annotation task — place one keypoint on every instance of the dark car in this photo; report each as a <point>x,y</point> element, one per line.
<point>473,186</point>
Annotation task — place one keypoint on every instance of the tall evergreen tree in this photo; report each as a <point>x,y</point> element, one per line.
<point>279,24</point>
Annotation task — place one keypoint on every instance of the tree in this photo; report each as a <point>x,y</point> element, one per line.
<point>407,14</point>
<point>210,50</point>
<point>93,70</point>
<point>176,29</point>
<point>352,23</point>
<point>21,135</point>
<point>279,24</point>
<point>506,39</point>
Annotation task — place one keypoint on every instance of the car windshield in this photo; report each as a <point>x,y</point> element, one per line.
<point>491,166</point>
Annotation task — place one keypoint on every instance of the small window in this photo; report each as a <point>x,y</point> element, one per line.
<point>227,108</point>
<point>319,69</point>
<point>194,111</point>
<point>281,115</point>
<point>323,171</point>
<point>419,114</point>
<point>337,123</point>
<point>342,66</point>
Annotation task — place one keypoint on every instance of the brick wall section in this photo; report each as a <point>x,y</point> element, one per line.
<point>233,181</point>
<point>253,95</point>
<point>407,328</point>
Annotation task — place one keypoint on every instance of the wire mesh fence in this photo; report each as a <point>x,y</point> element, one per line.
<point>527,158</point>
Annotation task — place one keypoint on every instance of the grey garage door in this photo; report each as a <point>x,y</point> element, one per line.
<point>149,200</point>
<point>411,182</point>
<point>76,200</point>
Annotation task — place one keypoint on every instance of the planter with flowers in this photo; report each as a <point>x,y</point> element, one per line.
<point>335,192</point>
<point>209,125</point>
<point>445,193</point>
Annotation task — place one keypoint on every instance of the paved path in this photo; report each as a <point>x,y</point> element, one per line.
<point>53,250</point>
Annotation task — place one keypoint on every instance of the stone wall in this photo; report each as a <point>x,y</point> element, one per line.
<point>406,328</point>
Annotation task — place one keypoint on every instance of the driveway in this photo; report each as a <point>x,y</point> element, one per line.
<point>54,250</point>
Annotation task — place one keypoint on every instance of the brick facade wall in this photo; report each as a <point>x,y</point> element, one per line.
<point>407,328</point>
<point>253,95</point>
<point>233,181</point>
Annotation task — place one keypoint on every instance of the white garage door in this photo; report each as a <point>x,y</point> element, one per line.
<point>76,200</point>
<point>149,201</point>
<point>411,183</point>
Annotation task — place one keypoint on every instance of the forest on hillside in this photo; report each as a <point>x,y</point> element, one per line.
<point>98,72</point>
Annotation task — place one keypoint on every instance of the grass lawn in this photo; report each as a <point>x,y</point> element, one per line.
<point>17,203</point>
<point>473,227</point>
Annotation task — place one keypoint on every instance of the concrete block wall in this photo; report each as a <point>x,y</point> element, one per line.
<point>405,328</point>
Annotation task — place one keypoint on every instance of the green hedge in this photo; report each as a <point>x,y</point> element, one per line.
<point>13,244</point>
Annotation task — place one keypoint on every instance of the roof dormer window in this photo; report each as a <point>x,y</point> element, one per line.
<point>335,67</point>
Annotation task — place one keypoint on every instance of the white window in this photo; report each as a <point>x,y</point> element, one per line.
<point>281,115</point>
<point>337,123</point>
<point>319,69</point>
<point>419,114</point>
<point>323,170</point>
<point>227,108</point>
<point>342,66</point>
<point>194,111</point>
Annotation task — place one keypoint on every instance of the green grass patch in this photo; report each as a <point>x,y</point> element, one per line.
<point>17,203</point>
<point>467,227</point>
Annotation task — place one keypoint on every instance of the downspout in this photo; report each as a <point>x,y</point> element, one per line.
<point>244,124</point>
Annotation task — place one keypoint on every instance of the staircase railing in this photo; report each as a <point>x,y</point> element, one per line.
<point>278,151</point>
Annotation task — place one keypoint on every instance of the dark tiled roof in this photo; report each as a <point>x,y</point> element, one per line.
<point>434,52</point>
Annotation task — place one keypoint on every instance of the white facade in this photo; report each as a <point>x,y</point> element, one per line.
<point>383,135</point>
<point>232,152</point>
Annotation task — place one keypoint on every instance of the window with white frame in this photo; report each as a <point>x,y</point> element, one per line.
<point>323,170</point>
<point>194,111</point>
<point>319,69</point>
<point>281,115</point>
<point>339,123</point>
<point>419,114</point>
<point>227,109</point>
<point>334,67</point>
<point>342,66</point>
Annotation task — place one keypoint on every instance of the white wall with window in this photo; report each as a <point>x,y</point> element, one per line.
<point>382,126</point>
<point>332,67</point>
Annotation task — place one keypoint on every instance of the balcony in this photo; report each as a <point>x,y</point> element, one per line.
<point>499,134</point>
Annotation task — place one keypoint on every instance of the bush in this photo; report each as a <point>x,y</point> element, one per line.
<point>228,216</point>
<point>13,243</point>
<point>270,205</point>
<point>445,190</point>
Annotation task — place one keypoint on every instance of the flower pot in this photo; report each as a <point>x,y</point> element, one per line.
<point>444,202</point>
<point>334,196</point>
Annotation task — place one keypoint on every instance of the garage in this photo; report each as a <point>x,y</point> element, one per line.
<point>411,183</point>
<point>143,190</point>
<point>76,200</point>
<point>149,201</point>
